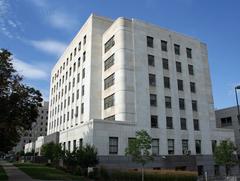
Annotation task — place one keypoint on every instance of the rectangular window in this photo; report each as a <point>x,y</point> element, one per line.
<point>167,82</point>
<point>189,52</point>
<point>74,144</point>
<point>165,63</point>
<point>190,70</point>
<point>109,81</point>
<point>192,87</point>
<point>214,144</point>
<point>76,111</point>
<point>151,61</point>
<point>78,77</point>
<point>110,118</point>
<point>80,143</point>
<point>185,147</point>
<point>83,91</point>
<point>69,145</point>
<point>194,105</point>
<point>164,45</point>
<point>168,102</point>
<point>227,121</point>
<point>109,101</point>
<point>82,108</point>
<point>84,56</point>
<point>74,67</point>
<point>181,104</point>
<point>153,100</point>
<point>113,145</point>
<point>109,62</point>
<point>196,124</point>
<point>180,85</point>
<point>183,123</point>
<point>170,146</point>
<point>179,67</point>
<point>109,44</point>
<point>79,62</point>
<point>150,41</point>
<point>75,51</point>
<point>72,114</point>
<point>177,49</point>
<point>169,122</point>
<point>77,94</point>
<point>154,121</point>
<point>198,146</point>
<point>70,56</point>
<point>216,170</point>
<point>79,46</point>
<point>85,39</point>
<point>83,73</point>
<point>152,80</point>
<point>155,146</point>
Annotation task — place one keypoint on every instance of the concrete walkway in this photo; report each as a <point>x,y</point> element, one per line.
<point>14,173</point>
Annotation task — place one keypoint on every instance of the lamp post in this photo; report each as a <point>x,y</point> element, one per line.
<point>238,115</point>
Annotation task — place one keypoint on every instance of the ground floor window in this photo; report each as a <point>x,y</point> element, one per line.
<point>113,145</point>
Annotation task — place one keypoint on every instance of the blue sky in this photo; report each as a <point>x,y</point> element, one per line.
<point>37,31</point>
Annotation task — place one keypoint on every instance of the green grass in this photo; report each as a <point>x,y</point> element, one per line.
<point>3,175</point>
<point>39,171</point>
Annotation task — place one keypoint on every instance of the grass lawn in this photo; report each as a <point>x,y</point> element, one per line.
<point>3,175</point>
<point>38,171</point>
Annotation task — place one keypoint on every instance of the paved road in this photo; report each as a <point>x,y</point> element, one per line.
<point>14,174</point>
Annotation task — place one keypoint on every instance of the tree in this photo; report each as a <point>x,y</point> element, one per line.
<point>18,103</point>
<point>139,149</point>
<point>224,154</point>
<point>52,151</point>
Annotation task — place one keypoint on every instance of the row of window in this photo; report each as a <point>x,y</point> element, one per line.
<point>113,146</point>
<point>70,58</point>
<point>164,47</point>
<point>165,65</point>
<point>169,123</point>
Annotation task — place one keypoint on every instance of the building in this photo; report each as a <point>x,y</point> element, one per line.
<point>120,76</point>
<point>227,118</point>
<point>39,128</point>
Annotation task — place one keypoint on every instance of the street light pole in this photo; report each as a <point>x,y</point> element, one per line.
<point>238,115</point>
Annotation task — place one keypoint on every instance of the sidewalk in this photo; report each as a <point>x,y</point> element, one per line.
<point>14,173</point>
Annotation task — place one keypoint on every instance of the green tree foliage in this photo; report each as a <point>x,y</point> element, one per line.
<point>224,154</point>
<point>18,103</point>
<point>139,148</point>
<point>52,151</point>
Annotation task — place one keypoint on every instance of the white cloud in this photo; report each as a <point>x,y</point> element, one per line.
<point>49,46</point>
<point>28,70</point>
<point>3,8</point>
<point>40,3</point>
<point>62,20</point>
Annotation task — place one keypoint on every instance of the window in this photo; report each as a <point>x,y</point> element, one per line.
<point>72,113</point>
<point>198,146</point>
<point>113,145</point>
<point>200,170</point>
<point>70,56</point>
<point>150,41</point>
<point>216,170</point>
<point>179,67</point>
<point>79,62</point>
<point>177,49</point>
<point>192,87</point>
<point>110,118</point>
<point>181,104</point>
<point>169,122</point>
<point>109,81</point>
<point>227,121</point>
<point>109,62</point>
<point>165,63</point>
<point>154,121</point>
<point>180,85</point>
<point>83,90</point>
<point>80,143</point>
<point>189,52</point>
<point>167,82</point>
<point>79,46</point>
<point>78,77</point>
<point>151,60</point>
<point>69,145</point>
<point>74,67</point>
<point>76,111</point>
<point>214,144</point>
<point>74,144</point>
<point>109,101</point>
<point>72,97</point>
<point>194,105</point>
<point>155,146</point>
<point>83,73</point>
<point>190,70</point>
<point>170,146</point>
<point>196,124</point>
<point>82,108</point>
<point>184,146</point>
<point>183,123</point>
<point>75,51</point>
<point>84,56</point>
<point>152,80</point>
<point>153,99</point>
<point>84,39</point>
<point>163,45</point>
<point>109,44</point>
<point>168,102</point>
